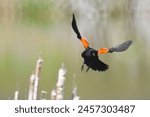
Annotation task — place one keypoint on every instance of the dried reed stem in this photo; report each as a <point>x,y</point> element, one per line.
<point>34,81</point>
<point>38,67</point>
<point>31,87</point>
<point>43,93</point>
<point>35,91</point>
<point>74,95</point>
<point>16,95</point>
<point>53,94</point>
<point>60,83</point>
<point>56,94</point>
<point>37,76</point>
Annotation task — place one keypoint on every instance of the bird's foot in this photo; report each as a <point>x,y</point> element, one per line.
<point>87,69</point>
<point>82,67</point>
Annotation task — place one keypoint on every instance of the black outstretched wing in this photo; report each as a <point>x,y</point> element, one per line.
<point>122,47</point>
<point>75,28</point>
<point>100,66</point>
<point>96,64</point>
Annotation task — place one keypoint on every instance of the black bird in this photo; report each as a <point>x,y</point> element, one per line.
<point>90,55</point>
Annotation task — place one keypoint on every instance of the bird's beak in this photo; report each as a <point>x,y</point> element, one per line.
<point>84,42</point>
<point>103,50</point>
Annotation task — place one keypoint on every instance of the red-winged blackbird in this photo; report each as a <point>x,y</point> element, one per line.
<point>90,55</point>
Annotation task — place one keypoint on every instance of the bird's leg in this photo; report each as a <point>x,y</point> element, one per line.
<point>87,69</point>
<point>82,67</point>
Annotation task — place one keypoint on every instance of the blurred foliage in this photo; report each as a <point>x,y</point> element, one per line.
<point>35,12</point>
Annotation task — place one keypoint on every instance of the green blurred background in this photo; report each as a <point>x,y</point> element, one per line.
<point>29,28</point>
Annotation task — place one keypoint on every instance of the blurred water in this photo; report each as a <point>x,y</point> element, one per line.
<point>25,33</point>
<point>141,11</point>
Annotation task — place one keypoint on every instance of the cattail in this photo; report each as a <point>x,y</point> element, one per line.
<point>43,95</point>
<point>53,94</point>
<point>74,95</point>
<point>60,83</point>
<point>16,95</point>
<point>31,87</point>
<point>34,81</point>
<point>38,67</point>
<point>37,76</point>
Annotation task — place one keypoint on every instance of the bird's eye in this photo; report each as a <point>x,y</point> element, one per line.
<point>93,54</point>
